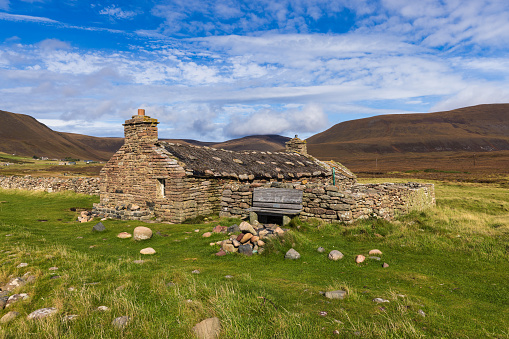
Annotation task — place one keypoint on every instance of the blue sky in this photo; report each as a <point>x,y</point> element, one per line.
<point>216,70</point>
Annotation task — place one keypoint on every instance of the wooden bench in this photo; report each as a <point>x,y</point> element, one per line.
<point>276,202</point>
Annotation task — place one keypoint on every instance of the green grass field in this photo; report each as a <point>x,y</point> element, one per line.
<point>450,263</point>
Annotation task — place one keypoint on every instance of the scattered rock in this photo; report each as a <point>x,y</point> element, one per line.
<point>16,297</point>
<point>421,313</point>
<point>142,233</point>
<point>321,249</point>
<point>380,300</point>
<point>42,313</point>
<point>335,255</point>
<point>120,322</point>
<point>375,258</point>
<point>13,283</point>
<point>53,268</point>
<point>3,301</point>
<point>375,252</point>
<point>323,313</point>
<point>360,258</point>
<point>206,234</point>
<point>195,272</point>
<point>336,294</point>
<point>148,250</point>
<point>279,231</point>
<point>103,308</point>
<point>197,230</point>
<point>219,229</point>
<point>221,253</point>
<point>228,276</point>
<point>138,261</point>
<point>23,264</point>
<point>208,328</point>
<point>385,265</point>
<point>55,277</point>
<point>71,289</point>
<point>9,316</point>
<point>69,317</point>
<point>292,254</point>
<point>229,248</point>
<point>124,235</point>
<point>99,227</point>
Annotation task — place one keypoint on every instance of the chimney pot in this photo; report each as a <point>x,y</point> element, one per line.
<point>141,111</point>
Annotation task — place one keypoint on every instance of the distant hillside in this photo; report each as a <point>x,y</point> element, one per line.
<point>23,135</point>
<point>471,129</point>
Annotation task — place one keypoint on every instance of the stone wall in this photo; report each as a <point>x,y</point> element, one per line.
<point>333,204</point>
<point>79,185</point>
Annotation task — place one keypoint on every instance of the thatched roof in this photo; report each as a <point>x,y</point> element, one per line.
<point>212,162</point>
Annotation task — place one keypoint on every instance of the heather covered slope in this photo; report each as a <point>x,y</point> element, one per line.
<point>473,129</point>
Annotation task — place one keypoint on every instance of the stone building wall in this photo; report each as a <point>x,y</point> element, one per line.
<point>333,204</point>
<point>88,186</point>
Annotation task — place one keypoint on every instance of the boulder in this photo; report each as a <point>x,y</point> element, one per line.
<point>335,255</point>
<point>120,322</point>
<point>42,313</point>
<point>292,254</point>
<point>233,229</point>
<point>142,233</point>
<point>335,294</point>
<point>9,316</point>
<point>99,227</point>
<point>148,250</point>
<point>246,227</point>
<point>208,328</point>
<point>246,238</point>
<point>124,235</point>
<point>246,249</point>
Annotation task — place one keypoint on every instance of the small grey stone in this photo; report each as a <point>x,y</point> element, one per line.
<point>16,297</point>
<point>335,294</point>
<point>121,322</point>
<point>292,254</point>
<point>375,258</point>
<point>335,255</point>
<point>421,312</point>
<point>321,249</point>
<point>138,261</point>
<point>196,272</point>
<point>9,316</point>
<point>23,264</point>
<point>380,300</point>
<point>103,308</point>
<point>385,265</point>
<point>70,317</point>
<point>170,284</point>
<point>228,276</point>
<point>53,268</point>
<point>42,313</point>
<point>208,328</point>
<point>99,227</point>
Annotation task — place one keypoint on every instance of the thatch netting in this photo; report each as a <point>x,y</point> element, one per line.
<point>207,161</point>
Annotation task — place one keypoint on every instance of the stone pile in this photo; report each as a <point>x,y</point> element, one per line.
<point>248,239</point>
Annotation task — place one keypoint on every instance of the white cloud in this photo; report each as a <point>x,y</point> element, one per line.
<point>117,13</point>
<point>18,17</point>
<point>309,118</point>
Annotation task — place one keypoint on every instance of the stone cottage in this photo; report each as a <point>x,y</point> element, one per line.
<point>151,179</point>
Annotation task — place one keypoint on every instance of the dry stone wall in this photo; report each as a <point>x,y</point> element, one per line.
<point>88,186</point>
<point>333,204</point>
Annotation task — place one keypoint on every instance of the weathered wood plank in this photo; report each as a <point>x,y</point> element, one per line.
<point>277,195</point>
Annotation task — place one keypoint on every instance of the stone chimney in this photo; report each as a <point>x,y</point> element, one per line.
<point>140,129</point>
<point>297,145</point>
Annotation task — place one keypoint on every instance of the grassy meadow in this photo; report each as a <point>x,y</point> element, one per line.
<point>447,277</point>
